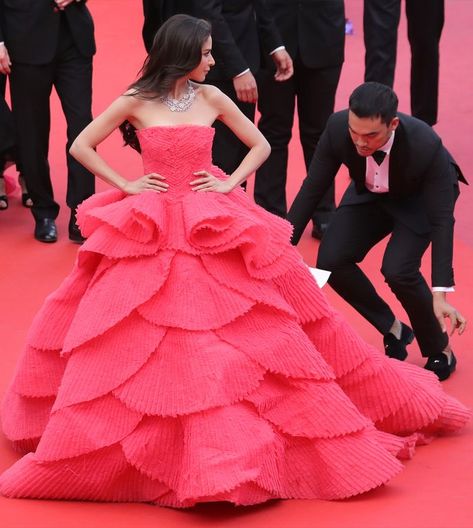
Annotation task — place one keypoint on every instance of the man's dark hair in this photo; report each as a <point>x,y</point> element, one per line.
<point>372,99</point>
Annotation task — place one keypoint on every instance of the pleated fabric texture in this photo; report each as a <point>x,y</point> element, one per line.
<point>191,357</point>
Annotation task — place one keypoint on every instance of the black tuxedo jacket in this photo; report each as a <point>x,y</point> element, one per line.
<point>156,12</point>
<point>423,184</point>
<point>242,32</point>
<point>312,30</point>
<point>30,29</point>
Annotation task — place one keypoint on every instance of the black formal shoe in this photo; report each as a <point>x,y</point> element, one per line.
<point>318,231</point>
<point>396,348</point>
<point>441,365</point>
<point>45,230</point>
<point>74,232</point>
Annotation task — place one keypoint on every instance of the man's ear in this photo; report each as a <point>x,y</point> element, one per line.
<point>394,123</point>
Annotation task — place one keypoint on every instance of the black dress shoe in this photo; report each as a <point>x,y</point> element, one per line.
<point>74,232</point>
<point>396,348</point>
<point>318,231</point>
<point>441,365</point>
<point>45,230</point>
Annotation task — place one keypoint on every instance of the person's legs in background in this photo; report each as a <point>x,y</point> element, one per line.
<point>316,89</point>
<point>31,113</point>
<point>276,104</point>
<point>73,82</point>
<point>424,29</point>
<point>227,150</point>
<point>380,24</point>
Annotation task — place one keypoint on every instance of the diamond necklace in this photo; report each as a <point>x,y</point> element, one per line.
<point>183,103</point>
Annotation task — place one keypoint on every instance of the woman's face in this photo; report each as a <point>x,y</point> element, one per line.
<point>207,61</point>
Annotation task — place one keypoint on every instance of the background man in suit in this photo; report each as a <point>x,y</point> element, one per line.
<point>8,154</point>
<point>156,12</point>
<point>48,43</point>
<point>314,35</point>
<point>424,28</point>
<point>404,184</point>
<point>242,30</point>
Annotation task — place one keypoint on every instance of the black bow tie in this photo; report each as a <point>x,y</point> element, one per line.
<point>378,156</point>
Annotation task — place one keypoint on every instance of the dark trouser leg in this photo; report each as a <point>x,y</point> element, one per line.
<point>353,231</point>
<point>9,125</point>
<point>73,83</point>
<point>380,23</point>
<point>228,151</point>
<point>400,268</point>
<point>30,91</point>
<point>276,104</point>
<point>424,30</point>
<point>316,89</point>
<point>7,132</point>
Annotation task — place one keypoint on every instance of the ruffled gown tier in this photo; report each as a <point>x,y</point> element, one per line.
<point>190,356</point>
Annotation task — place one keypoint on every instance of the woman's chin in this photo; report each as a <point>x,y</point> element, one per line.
<point>199,78</point>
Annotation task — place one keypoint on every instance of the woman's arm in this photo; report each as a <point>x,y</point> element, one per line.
<point>247,132</point>
<point>83,149</point>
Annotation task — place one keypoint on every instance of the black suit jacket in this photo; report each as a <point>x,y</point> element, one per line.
<point>156,12</point>
<point>312,30</point>
<point>423,184</point>
<point>30,29</point>
<point>242,32</point>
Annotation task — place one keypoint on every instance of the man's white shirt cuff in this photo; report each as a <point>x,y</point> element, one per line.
<point>242,73</point>
<point>279,48</point>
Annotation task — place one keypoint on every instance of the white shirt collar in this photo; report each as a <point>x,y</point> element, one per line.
<point>389,143</point>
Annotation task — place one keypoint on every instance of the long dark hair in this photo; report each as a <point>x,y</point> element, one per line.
<point>176,51</point>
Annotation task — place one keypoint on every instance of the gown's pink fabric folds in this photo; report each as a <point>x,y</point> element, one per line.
<point>191,357</point>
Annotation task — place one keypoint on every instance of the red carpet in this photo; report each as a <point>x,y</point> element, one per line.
<point>434,491</point>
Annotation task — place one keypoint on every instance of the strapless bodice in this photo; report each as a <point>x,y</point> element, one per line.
<point>176,152</point>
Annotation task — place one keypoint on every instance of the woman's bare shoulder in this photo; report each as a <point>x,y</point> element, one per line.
<point>211,93</point>
<point>132,104</point>
<point>131,98</point>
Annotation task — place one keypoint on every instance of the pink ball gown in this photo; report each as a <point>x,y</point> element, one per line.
<point>190,356</point>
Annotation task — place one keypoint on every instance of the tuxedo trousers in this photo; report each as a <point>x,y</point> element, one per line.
<point>353,231</point>
<point>7,132</point>
<point>70,74</point>
<point>424,27</point>
<point>228,151</point>
<point>313,89</point>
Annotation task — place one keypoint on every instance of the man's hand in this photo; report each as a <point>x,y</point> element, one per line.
<point>62,4</point>
<point>284,66</point>
<point>444,310</point>
<point>245,88</point>
<point>5,61</point>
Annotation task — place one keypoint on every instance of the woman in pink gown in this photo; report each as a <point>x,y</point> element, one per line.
<point>190,356</point>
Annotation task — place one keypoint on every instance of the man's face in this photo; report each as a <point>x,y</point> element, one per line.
<point>369,133</point>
